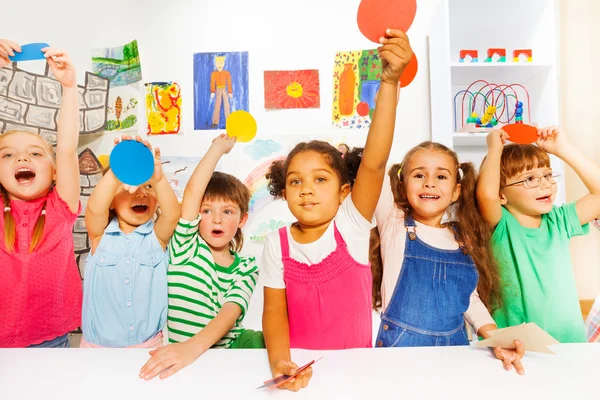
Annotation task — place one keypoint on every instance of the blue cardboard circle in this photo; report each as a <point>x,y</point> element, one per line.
<point>31,51</point>
<point>132,162</point>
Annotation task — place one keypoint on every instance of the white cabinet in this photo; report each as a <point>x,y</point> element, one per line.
<point>480,25</point>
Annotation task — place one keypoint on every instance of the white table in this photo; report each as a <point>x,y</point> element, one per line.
<point>424,373</point>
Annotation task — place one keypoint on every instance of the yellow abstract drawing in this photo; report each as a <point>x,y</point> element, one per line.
<point>163,107</point>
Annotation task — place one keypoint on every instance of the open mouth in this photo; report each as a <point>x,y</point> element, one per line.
<point>140,208</point>
<point>544,199</point>
<point>429,197</point>
<point>217,232</point>
<point>24,176</point>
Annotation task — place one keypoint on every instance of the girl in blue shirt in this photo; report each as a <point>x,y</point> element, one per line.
<point>125,285</point>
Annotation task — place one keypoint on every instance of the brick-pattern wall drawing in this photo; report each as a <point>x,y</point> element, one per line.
<point>31,102</point>
<point>90,172</point>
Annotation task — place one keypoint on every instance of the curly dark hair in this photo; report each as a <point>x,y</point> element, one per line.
<point>278,170</point>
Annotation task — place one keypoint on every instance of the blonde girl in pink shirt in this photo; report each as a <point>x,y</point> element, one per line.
<point>40,289</point>
<point>316,274</point>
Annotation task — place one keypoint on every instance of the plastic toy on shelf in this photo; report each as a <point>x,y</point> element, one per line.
<point>519,53</point>
<point>484,105</point>
<point>474,54</point>
<point>501,53</point>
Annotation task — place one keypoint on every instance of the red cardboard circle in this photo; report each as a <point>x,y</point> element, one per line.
<point>521,133</point>
<point>410,71</point>
<point>375,16</point>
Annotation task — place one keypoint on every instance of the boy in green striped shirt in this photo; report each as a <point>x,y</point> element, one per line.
<point>210,285</point>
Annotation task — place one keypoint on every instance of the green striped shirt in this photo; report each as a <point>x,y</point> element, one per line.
<point>198,287</point>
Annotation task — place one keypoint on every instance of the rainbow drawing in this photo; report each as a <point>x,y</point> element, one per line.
<point>257,183</point>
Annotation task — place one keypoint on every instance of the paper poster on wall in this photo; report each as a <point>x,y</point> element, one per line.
<point>119,64</point>
<point>292,89</point>
<point>124,105</point>
<point>220,87</point>
<point>265,214</point>
<point>163,108</point>
<point>178,171</point>
<point>90,173</point>
<point>356,79</point>
<point>32,102</point>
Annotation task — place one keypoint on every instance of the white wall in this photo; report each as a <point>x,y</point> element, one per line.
<point>278,34</point>
<point>579,85</point>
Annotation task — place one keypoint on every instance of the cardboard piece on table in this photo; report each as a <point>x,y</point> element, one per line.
<point>242,125</point>
<point>132,162</point>
<point>31,51</point>
<point>532,336</point>
<point>280,380</point>
<point>375,16</point>
<point>521,133</point>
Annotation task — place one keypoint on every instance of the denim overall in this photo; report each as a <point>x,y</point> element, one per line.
<point>432,294</point>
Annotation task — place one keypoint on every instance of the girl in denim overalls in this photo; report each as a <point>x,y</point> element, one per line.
<point>434,274</point>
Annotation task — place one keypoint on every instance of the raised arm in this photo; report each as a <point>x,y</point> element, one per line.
<point>395,55</point>
<point>170,210</point>
<point>67,163</point>
<point>554,141</point>
<point>488,183</point>
<point>194,191</point>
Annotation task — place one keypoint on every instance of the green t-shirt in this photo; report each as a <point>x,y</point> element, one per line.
<point>536,273</point>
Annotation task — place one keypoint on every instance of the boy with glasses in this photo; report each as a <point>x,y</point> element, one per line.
<point>515,192</point>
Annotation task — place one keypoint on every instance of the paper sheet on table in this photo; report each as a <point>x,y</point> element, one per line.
<point>532,336</point>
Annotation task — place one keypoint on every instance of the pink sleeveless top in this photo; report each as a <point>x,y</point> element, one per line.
<point>329,303</point>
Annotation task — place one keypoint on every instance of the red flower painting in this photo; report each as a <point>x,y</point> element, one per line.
<point>292,89</point>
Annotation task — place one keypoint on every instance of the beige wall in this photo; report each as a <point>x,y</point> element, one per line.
<point>580,116</point>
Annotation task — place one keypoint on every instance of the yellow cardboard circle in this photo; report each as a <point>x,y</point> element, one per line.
<point>242,125</point>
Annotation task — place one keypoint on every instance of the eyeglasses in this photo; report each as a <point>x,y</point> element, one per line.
<point>534,181</point>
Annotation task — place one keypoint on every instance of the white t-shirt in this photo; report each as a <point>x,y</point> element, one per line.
<point>390,222</point>
<point>353,227</point>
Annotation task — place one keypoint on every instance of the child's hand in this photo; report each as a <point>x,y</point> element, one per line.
<point>496,140</point>
<point>224,143</point>
<point>511,358</point>
<point>395,55</point>
<point>7,48</point>
<point>552,140</point>
<point>169,359</point>
<point>284,367</point>
<point>157,176</point>
<point>61,66</point>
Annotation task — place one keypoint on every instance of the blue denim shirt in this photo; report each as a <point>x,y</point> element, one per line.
<point>125,288</point>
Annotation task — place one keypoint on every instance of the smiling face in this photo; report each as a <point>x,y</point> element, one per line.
<point>27,167</point>
<point>134,209</point>
<point>532,202</point>
<point>312,189</point>
<point>430,184</point>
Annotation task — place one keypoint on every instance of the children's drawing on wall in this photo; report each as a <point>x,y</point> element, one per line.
<point>220,87</point>
<point>292,89</point>
<point>163,107</point>
<point>178,171</point>
<point>265,213</point>
<point>123,108</point>
<point>119,64</point>
<point>356,78</point>
<point>262,148</point>
<point>31,102</point>
<point>90,170</point>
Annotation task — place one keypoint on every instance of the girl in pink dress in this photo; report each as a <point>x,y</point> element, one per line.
<point>40,289</point>
<point>316,272</point>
